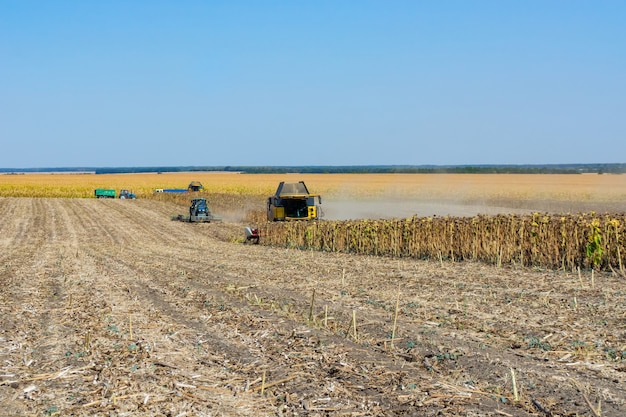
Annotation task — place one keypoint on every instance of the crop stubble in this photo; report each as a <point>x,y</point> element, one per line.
<point>108,307</point>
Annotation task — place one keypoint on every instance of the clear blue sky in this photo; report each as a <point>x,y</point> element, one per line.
<point>170,83</point>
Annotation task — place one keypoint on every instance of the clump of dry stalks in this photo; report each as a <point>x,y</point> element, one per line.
<point>580,241</point>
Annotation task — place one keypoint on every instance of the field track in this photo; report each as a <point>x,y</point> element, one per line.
<point>110,308</point>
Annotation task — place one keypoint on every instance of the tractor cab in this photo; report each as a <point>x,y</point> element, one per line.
<point>199,207</point>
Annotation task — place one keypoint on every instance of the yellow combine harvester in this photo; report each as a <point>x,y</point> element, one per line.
<point>293,201</point>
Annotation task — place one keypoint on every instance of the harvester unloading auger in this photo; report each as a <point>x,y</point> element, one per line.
<point>198,213</point>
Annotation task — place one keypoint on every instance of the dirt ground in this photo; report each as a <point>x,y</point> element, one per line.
<point>109,308</point>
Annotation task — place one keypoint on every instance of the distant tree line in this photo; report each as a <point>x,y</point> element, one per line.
<point>451,169</point>
<point>351,169</point>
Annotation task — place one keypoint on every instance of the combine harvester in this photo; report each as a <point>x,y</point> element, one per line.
<point>292,201</point>
<point>198,213</point>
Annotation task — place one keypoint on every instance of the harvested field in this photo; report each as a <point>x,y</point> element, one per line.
<point>109,308</point>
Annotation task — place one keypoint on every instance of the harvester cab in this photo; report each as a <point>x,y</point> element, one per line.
<point>293,201</point>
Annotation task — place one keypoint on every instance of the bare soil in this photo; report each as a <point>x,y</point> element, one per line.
<point>110,308</point>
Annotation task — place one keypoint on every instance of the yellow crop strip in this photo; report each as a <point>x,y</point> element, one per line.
<point>468,187</point>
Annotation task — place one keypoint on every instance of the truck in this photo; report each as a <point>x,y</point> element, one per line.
<point>293,201</point>
<point>104,193</point>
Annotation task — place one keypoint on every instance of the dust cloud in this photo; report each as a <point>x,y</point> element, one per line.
<point>400,209</point>
<point>387,209</point>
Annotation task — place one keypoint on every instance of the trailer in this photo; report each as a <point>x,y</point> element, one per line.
<point>104,193</point>
<point>171,190</point>
<point>194,186</point>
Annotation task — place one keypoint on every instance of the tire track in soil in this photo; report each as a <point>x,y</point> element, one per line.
<point>114,301</point>
<point>335,360</point>
<point>15,229</point>
<point>414,362</point>
<point>122,303</point>
<point>22,256</point>
<point>163,306</point>
<point>19,246</point>
<point>269,316</point>
<point>39,293</point>
<point>35,297</point>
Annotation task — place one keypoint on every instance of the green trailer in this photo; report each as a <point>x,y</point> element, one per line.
<point>104,193</point>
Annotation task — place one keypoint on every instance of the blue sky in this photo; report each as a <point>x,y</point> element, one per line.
<point>213,83</point>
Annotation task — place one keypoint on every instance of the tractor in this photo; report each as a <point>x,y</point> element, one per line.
<point>198,212</point>
<point>127,194</point>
